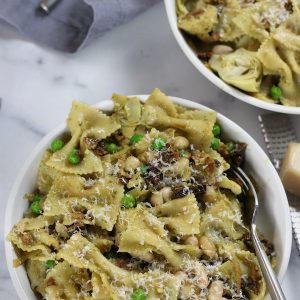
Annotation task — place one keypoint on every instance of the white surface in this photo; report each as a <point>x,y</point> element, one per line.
<point>37,86</point>
<point>274,220</point>
<point>171,13</point>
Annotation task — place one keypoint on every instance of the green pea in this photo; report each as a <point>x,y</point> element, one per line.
<point>112,148</point>
<point>36,198</point>
<point>50,263</point>
<point>74,157</point>
<point>230,146</point>
<point>35,207</point>
<point>128,201</point>
<point>276,93</point>
<point>215,143</point>
<point>56,145</point>
<point>135,139</point>
<point>139,294</point>
<point>158,143</point>
<point>216,130</point>
<point>144,169</point>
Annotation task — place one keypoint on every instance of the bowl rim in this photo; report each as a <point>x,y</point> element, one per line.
<point>189,53</point>
<point>107,105</point>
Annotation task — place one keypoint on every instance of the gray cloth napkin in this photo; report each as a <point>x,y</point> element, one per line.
<point>73,24</point>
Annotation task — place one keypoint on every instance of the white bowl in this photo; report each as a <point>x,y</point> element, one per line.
<point>188,51</point>
<point>273,218</point>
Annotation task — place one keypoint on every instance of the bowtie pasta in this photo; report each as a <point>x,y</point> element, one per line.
<point>251,44</point>
<point>139,204</point>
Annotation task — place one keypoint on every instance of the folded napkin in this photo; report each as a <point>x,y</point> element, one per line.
<point>73,24</point>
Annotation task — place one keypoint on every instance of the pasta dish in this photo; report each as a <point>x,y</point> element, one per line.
<point>139,203</point>
<point>252,45</point>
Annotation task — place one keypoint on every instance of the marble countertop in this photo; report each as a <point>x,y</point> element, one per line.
<point>37,86</point>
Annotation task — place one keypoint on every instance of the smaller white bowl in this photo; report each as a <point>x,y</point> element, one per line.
<point>191,55</point>
<point>273,218</point>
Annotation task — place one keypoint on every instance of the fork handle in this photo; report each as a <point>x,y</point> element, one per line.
<point>273,285</point>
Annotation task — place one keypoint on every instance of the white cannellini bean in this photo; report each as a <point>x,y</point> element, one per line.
<point>156,199</point>
<point>202,279</point>
<point>191,240</point>
<point>186,291</point>
<point>180,275</point>
<point>131,163</point>
<point>181,164</point>
<point>215,290</point>
<point>202,282</point>
<point>207,246</point>
<point>210,194</point>
<point>166,193</point>
<point>180,142</point>
<point>222,49</point>
<point>146,157</point>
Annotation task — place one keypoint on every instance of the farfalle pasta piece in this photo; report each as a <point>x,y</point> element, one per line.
<point>241,68</point>
<point>68,281</point>
<point>181,215</point>
<point>200,20</point>
<point>90,162</point>
<point>34,240</point>
<point>224,215</point>
<point>37,271</point>
<point>154,238</point>
<point>160,102</point>
<point>249,26</point>
<point>24,256</point>
<point>227,248</point>
<point>86,117</point>
<point>250,267</point>
<point>181,8</point>
<point>288,34</point>
<point>191,114</point>
<point>83,121</point>
<point>274,59</point>
<point>99,238</point>
<point>258,20</point>
<point>102,290</point>
<point>198,131</point>
<point>28,224</point>
<point>74,200</point>
<point>31,234</point>
<point>227,29</point>
<point>81,253</point>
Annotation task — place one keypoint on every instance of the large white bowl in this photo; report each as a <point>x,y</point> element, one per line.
<point>191,55</point>
<point>273,218</point>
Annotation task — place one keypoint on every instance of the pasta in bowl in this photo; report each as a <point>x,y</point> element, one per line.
<point>246,48</point>
<point>139,203</point>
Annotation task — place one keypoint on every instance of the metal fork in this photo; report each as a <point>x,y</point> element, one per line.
<point>250,213</point>
<point>47,5</point>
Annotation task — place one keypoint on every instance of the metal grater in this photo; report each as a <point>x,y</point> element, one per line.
<point>278,132</point>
